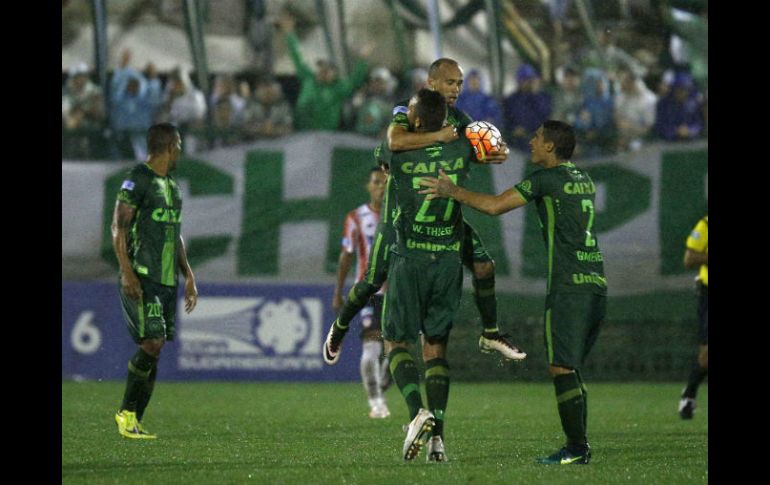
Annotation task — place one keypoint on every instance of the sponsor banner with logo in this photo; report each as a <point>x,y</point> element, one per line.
<point>237,332</point>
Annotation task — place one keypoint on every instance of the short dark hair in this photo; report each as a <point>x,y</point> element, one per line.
<point>562,136</point>
<point>160,136</point>
<point>433,69</point>
<point>431,109</point>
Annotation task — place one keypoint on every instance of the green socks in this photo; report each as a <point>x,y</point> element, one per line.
<point>139,369</point>
<point>358,296</point>
<point>572,408</point>
<point>585,399</point>
<point>407,378</point>
<point>486,302</point>
<point>437,389</point>
<point>144,399</point>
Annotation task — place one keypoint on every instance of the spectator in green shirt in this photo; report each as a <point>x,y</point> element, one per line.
<point>322,93</point>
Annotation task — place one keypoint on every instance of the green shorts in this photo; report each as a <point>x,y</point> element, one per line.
<point>154,315</point>
<point>572,323</point>
<point>423,296</point>
<point>473,248</point>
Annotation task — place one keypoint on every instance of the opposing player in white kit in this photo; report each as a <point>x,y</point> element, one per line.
<point>358,235</point>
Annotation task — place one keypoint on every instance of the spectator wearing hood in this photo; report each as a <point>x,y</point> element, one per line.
<point>634,111</point>
<point>679,114</point>
<point>525,109</point>
<point>477,104</point>
<point>185,106</point>
<point>594,126</point>
<point>135,98</point>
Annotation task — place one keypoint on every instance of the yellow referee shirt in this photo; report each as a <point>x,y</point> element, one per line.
<point>699,241</point>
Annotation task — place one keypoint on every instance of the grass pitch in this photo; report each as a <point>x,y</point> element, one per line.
<point>223,433</point>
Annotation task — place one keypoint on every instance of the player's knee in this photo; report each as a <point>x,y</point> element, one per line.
<point>153,346</point>
<point>362,291</point>
<point>483,270</point>
<point>555,370</point>
<point>434,347</point>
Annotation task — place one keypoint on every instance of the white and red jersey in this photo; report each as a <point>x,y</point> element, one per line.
<point>358,235</point>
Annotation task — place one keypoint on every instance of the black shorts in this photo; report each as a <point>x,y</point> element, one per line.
<point>703,313</point>
<point>154,315</point>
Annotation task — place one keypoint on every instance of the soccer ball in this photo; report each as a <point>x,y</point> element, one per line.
<point>484,137</point>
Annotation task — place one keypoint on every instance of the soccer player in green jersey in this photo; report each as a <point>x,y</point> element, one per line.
<point>148,243</point>
<point>425,274</point>
<point>445,77</point>
<point>576,297</point>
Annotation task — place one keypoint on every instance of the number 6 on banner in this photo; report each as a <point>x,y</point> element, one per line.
<point>86,337</point>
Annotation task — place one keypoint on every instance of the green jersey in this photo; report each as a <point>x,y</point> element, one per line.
<point>428,227</point>
<point>155,230</point>
<point>565,205</point>
<point>454,116</point>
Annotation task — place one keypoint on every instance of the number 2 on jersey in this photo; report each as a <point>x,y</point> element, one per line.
<point>422,213</point>
<point>588,206</point>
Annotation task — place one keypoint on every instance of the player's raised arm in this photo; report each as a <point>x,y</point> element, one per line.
<point>487,203</point>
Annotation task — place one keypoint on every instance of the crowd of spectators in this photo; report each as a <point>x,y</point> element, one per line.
<point>608,95</point>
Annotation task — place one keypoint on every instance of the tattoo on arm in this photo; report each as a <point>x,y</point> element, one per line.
<point>122,217</point>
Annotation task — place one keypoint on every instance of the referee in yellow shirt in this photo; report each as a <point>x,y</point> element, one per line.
<point>697,254</point>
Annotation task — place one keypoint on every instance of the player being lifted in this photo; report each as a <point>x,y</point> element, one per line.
<point>425,267</point>
<point>358,234</point>
<point>446,77</point>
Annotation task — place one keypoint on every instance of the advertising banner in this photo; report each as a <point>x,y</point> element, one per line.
<point>236,332</point>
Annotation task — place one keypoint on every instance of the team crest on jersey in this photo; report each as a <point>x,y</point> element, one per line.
<point>400,109</point>
<point>695,235</point>
<point>127,185</point>
<point>526,186</point>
